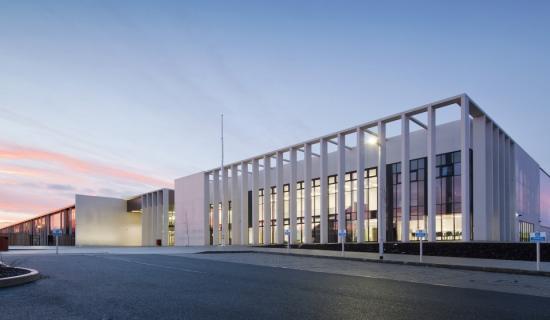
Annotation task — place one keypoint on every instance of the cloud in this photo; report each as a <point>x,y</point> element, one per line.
<point>75,164</point>
<point>61,187</point>
<point>35,181</point>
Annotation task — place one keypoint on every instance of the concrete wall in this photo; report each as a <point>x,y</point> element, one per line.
<point>102,221</point>
<point>192,227</point>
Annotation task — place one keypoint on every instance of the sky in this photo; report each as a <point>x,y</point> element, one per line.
<point>116,98</point>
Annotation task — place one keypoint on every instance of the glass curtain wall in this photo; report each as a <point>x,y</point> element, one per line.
<point>286,210</point>
<point>371,204</point>
<point>448,197</point>
<point>316,210</point>
<point>393,222</point>
<point>261,216</point>
<point>300,237</point>
<point>332,209</point>
<point>418,196</point>
<point>273,205</point>
<point>350,199</point>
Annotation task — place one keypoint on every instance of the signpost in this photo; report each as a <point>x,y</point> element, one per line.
<point>537,237</point>
<point>57,233</point>
<point>421,234</point>
<point>287,233</point>
<point>342,234</point>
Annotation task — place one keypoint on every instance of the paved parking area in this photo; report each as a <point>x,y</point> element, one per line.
<point>108,286</point>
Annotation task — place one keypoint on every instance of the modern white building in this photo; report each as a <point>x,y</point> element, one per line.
<point>464,180</point>
<point>143,220</point>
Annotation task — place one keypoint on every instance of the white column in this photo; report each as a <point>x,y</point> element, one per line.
<point>506,203</point>
<point>255,193</point>
<point>225,207</point>
<point>405,180</point>
<point>165,222</point>
<point>244,203</point>
<point>279,235</point>
<point>324,190</point>
<point>497,183</point>
<point>512,194</point>
<point>360,185</point>
<point>267,200</point>
<point>465,133</point>
<point>307,193</point>
<point>152,215</point>
<point>341,183</point>
<point>235,206</point>
<point>431,166</point>
<point>215,207</point>
<point>293,201</point>
<point>490,180</point>
<point>480,171</point>
<point>144,225</point>
<point>206,208</point>
<point>381,174</point>
<point>159,217</point>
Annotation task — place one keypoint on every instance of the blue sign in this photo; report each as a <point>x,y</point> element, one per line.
<point>287,232</point>
<point>57,232</point>
<point>537,236</point>
<point>342,233</point>
<point>420,234</point>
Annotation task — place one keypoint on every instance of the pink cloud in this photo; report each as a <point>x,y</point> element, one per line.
<point>35,181</point>
<point>78,165</point>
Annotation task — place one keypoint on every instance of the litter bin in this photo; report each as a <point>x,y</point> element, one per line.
<point>4,243</point>
<point>159,242</point>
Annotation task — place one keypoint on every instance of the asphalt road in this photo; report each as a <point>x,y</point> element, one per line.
<point>175,287</point>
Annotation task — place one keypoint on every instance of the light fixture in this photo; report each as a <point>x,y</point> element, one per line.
<point>372,141</point>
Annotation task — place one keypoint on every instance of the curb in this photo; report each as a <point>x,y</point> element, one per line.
<point>408,263</point>
<point>33,275</point>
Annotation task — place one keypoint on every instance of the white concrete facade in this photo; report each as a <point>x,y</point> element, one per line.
<point>485,164</point>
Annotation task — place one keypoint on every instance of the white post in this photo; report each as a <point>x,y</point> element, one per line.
<point>465,131</point>
<point>360,148</point>
<point>225,207</point>
<point>215,207</point>
<point>431,166</point>
<point>280,228</point>
<point>244,204</point>
<point>343,240</point>
<point>538,256</point>
<point>293,199</point>
<point>341,184</point>
<point>267,200</point>
<point>421,238</point>
<point>324,190</point>
<point>307,193</point>
<point>255,194</point>
<point>235,206</point>
<point>381,188</point>
<point>405,181</point>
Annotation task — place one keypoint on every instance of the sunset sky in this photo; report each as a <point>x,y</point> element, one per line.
<point>116,98</point>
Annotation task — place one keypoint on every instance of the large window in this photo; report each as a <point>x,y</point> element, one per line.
<point>394,222</point>
<point>261,216</point>
<point>448,197</point>
<point>351,206</point>
<point>418,196</point>
<point>332,209</point>
<point>371,204</point>
<point>230,222</point>
<point>316,210</point>
<point>273,205</point>
<point>286,209</point>
<point>300,212</point>
<point>525,228</point>
<point>211,219</point>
